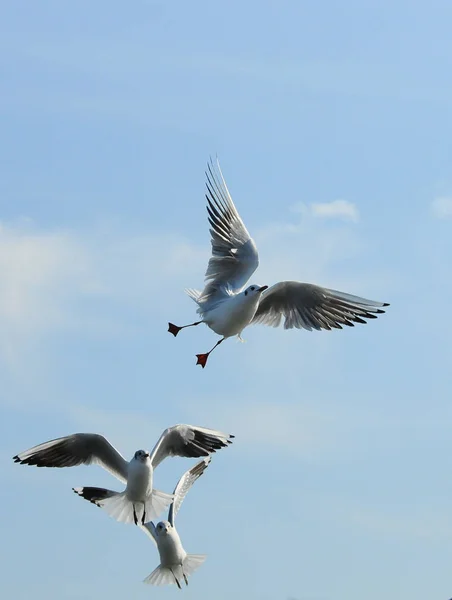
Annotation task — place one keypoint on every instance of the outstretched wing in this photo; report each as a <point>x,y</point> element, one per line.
<point>74,450</point>
<point>307,306</point>
<point>234,253</point>
<point>149,530</point>
<point>188,441</point>
<point>184,484</point>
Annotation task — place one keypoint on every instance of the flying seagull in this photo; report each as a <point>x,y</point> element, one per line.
<point>139,495</point>
<point>227,307</point>
<point>175,563</point>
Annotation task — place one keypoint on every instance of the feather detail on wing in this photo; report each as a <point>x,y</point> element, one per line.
<point>74,450</point>
<point>184,484</point>
<point>307,306</point>
<point>234,253</point>
<point>188,441</point>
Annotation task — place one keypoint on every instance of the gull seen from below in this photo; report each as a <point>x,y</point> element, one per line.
<point>175,563</point>
<point>140,501</point>
<point>227,307</point>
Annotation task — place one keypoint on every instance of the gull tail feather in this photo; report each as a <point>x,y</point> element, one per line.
<point>159,502</point>
<point>160,576</point>
<point>119,507</point>
<point>192,562</point>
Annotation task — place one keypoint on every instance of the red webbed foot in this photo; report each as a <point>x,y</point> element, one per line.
<point>202,359</point>
<point>174,329</point>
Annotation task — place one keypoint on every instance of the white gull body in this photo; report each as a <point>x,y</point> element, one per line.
<point>175,563</point>
<point>140,501</point>
<point>227,307</point>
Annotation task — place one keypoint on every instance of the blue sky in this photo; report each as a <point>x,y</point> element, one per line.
<point>332,125</point>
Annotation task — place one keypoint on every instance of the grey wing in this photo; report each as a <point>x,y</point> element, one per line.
<point>188,441</point>
<point>307,306</point>
<point>74,450</point>
<point>149,530</point>
<point>184,484</point>
<point>234,253</point>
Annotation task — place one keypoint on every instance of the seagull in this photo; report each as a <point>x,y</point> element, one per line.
<point>175,563</point>
<point>91,448</point>
<point>227,307</point>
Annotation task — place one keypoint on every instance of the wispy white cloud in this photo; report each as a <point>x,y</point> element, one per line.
<point>54,281</point>
<point>271,426</point>
<point>337,209</point>
<point>264,428</point>
<point>32,267</point>
<point>442,207</point>
<point>107,282</point>
<point>289,429</point>
<point>124,428</point>
<point>38,271</point>
<point>307,248</point>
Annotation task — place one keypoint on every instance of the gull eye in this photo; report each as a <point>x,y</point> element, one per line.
<point>253,288</point>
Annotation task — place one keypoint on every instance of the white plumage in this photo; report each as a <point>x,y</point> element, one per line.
<point>227,307</point>
<point>175,564</point>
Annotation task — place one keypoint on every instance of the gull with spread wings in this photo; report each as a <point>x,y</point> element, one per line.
<point>227,307</point>
<point>140,501</point>
<point>175,563</point>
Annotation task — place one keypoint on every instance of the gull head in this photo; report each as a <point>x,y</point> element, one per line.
<point>163,528</point>
<point>141,455</point>
<point>254,291</point>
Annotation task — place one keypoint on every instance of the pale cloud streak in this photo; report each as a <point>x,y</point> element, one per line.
<point>264,428</point>
<point>34,270</point>
<point>59,281</point>
<point>442,207</point>
<point>337,209</point>
<point>107,282</point>
<point>292,430</point>
<point>38,273</point>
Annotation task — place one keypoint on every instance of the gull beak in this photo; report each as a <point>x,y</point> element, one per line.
<point>263,288</point>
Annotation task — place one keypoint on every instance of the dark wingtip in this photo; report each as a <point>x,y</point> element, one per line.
<point>16,459</point>
<point>386,304</point>
<point>359,320</point>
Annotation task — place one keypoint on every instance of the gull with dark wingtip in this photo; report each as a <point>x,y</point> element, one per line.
<point>227,307</point>
<point>175,563</point>
<point>140,495</point>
